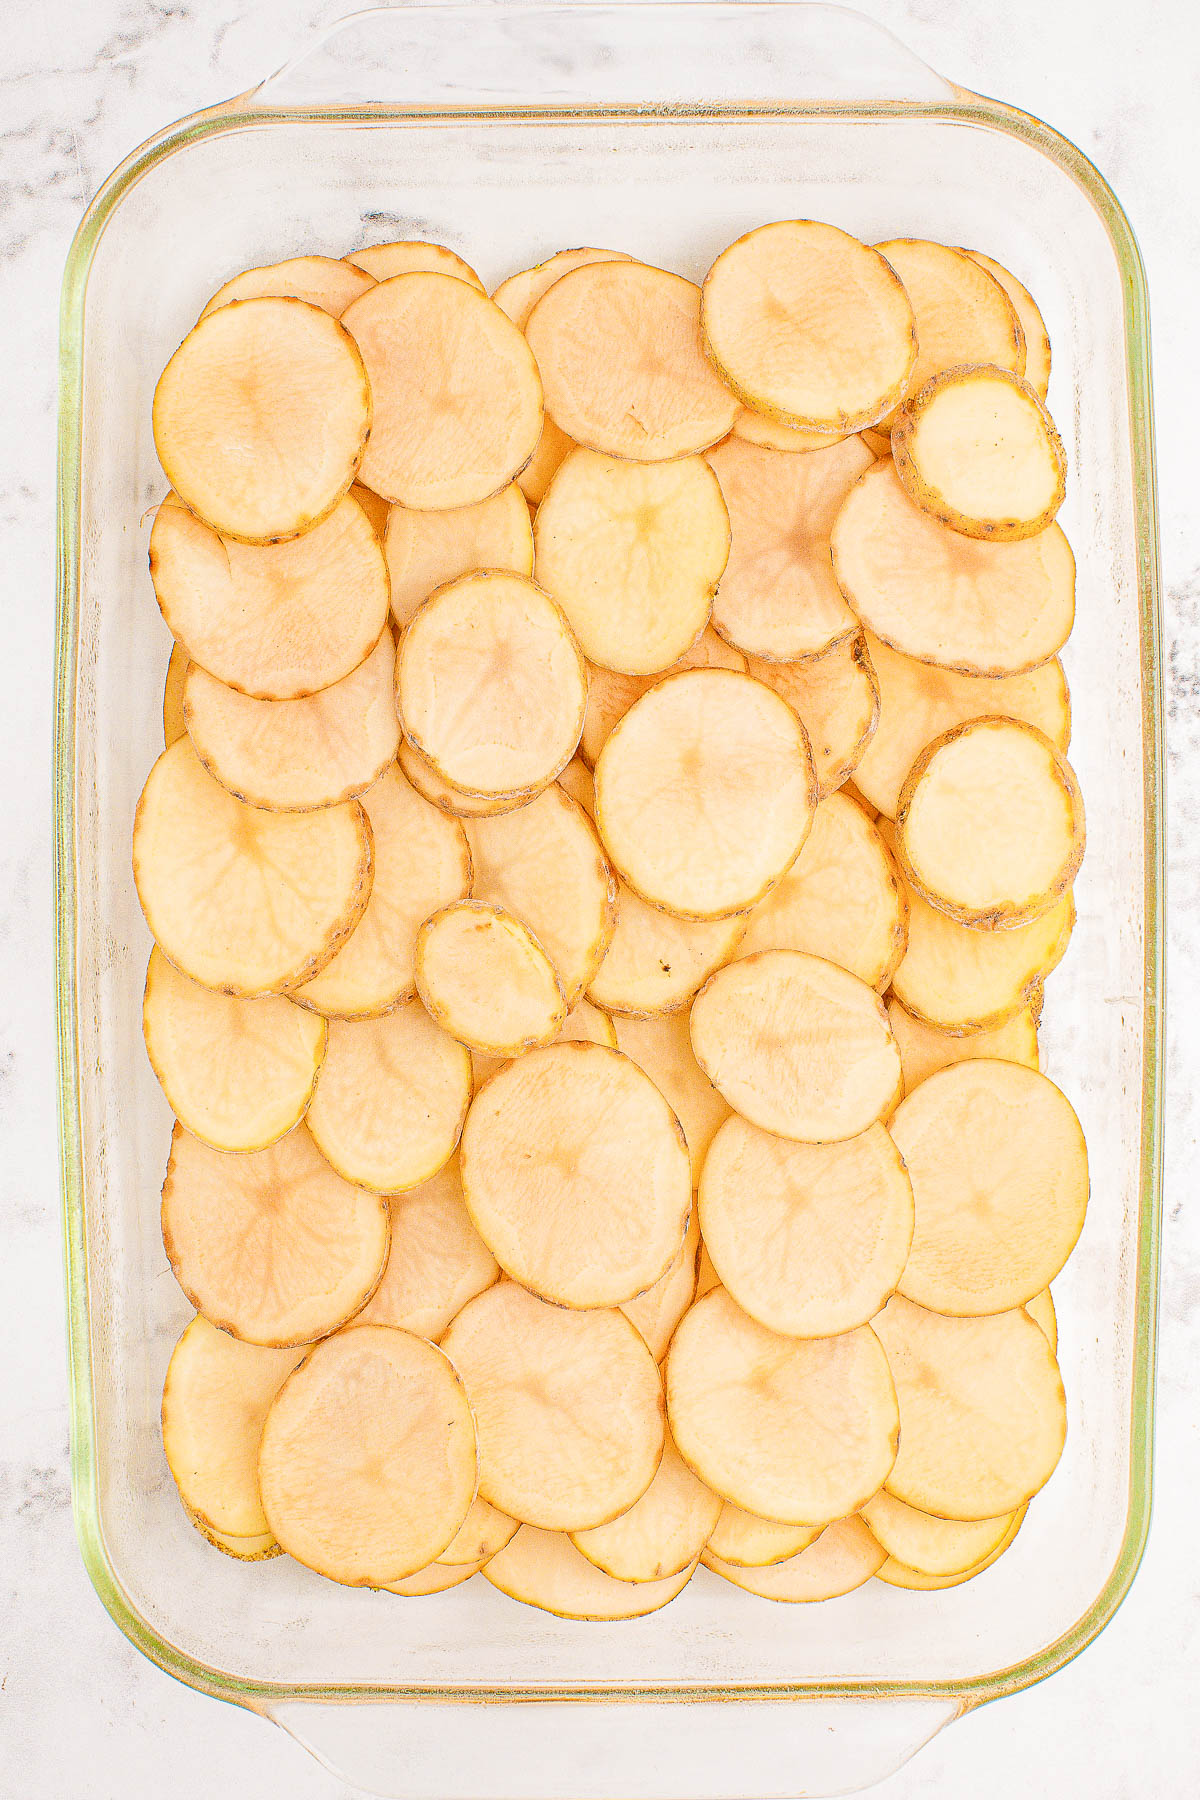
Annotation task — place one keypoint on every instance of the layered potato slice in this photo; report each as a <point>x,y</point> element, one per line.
<point>412,256</point>
<point>437,1261</point>
<point>663,1533</point>
<point>963,315</point>
<point>706,1276</point>
<point>553,449</point>
<point>428,550</point>
<point>662,1047</point>
<point>173,722</point>
<point>376,509</point>
<point>1033,326</point>
<point>483,1532</point>
<point>656,962</point>
<point>898,1574</point>
<point>435,1578</point>
<point>451,799</point>
<point>930,1545</point>
<point>836,697</point>
<point>544,1569</point>
<point>656,1312</point>
<point>261,1547</point>
<point>756,428</point>
<point>321,280</point>
<point>961,980</point>
<point>520,293</point>
<point>742,1538</point>
<point>1041,1311</point>
<point>611,694</point>
<point>838,1561</point>
<point>485,979</point>
<point>924,1049</point>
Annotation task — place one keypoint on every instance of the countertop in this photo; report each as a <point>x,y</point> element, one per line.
<point>82,1715</point>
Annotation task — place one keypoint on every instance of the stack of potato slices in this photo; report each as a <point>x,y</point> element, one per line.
<point>613,834</point>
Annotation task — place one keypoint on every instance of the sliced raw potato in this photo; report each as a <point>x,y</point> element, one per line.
<point>982,1413</point>
<point>435,1578</point>
<point>981,608</point>
<point>258,1548</point>
<point>706,1276</point>
<point>237,1073</point>
<point>450,799</point>
<point>898,1574</point>
<point>576,1174</point>
<point>483,1532</point>
<point>962,980</point>
<point>215,1400</point>
<point>663,1533</point>
<point>809,326</point>
<point>485,979</point>
<point>584,1024</point>
<point>271,1245</point>
<point>838,1561</point>
<point>426,550</point>
<point>544,1569</point>
<point>749,1542</point>
<point>177,668</point>
<point>836,697</point>
<point>809,1239</point>
<point>241,899</point>
<point>932,1546</point>
<point>705,793</point>
<point>797,1429</point>
<point>553,449</point>
<point>611,694</point>
<point>376,509</point>
<point>662,1047</point>
<point>853,792</point>
<point>568,1407</point>
<point>1037,341</point>
<point>576,781</point>
<point>621,359</point>
<point>272,620</point>
<point>456,404</point>
<point>321,280</point>
<point>658,1311</point>
<point>879,443</point>
<point>756,428</point>
<point>797,1045</point>
<point>491,686</point>
<point>436,1263</point>
<point>412,256</point>
<point>261,417</point>
<point>924,1049</point>
<point>778,598</point>
<point>295,755</point>
<point>1041,1311</point>
<point>520,293</point>
<point>656,962</point>
<point>989,827</point>
<point>367,1466</point>
<point>963,314</point>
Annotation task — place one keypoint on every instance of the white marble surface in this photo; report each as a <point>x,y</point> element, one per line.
<point>82,1715</point>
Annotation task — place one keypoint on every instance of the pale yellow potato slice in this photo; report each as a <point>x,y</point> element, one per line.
<point>271,1245</point>
<point>930,1545</point>
<point>981,608</point>
<point>706,1276</point>
<point>879,443</point>
<point>838,1561</point>
<point>797,1045</point>
<point>778,598</point>
<point>611,694</point>
<point>260,1547</point>
<point>544,1569</point>
<point>662,1047</point>
<point>456,403</point>
<point>422,862</point>
<point>797,1429</point>
<point>756,428</point>
<point>272,620</point>
<point>553,449</point>
<point>436,1263</point>
<point>261,417</point>
<point>486,979</point>
<point>898,1574</point>
<point>215,1399</point>
<point>657,1312</point>
<point>321,280</point>
<point>1041,1311</point>
<point>519,294</point>
<point>576,1175</point>
<point>173,724</point>
<point>367,1466</point>
<point>483,1532</point>
<point>622,362</point>
<point>450,799</point>
<point>963,315</point>
<point>568,1406</point>
<point>1037,340</point>
<point>435,1578</point>
<point>836,697</point>
<point>809,326</point>
<point>237,1073</point>
<point>924,1049</point>
<point>853,792</point>
<point>426,550</point>
<point>705,793</point>
<point>962,980</point>
<point>241,899</point>
<point>656,962</point>
<point>491,686</point>
<point>584,1024</point>
<point>391,1098</point>
<point>376,508</point>
<point>982,1414</point>
<point>663,1533</point>
<point>749,1542</point>
<point>412,256</point>
<point>809,1239</point>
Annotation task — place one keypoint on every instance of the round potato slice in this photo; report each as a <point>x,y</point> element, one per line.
<point>435,1578</point>
<point>797,1046</point>
<point>367,1466</point>
<point>924,1049</point>
<point>1033,326</point>
<point>491,686</point>
<point>809,326</point>
<point>241,899</point>
<point>237,1073</point>
<point>656,962</point>
<point>576,1174</point>
<point>797,1429</point>
<point>662,1534</point>
<point>610,694</point>
<point>809,1239</point>
<point>271,1245</point>
<point>450,799</point>
<point>836,698</point>
<point>749,1542</point>
<point>778,598</point>
<point>961,980</point>
<point>982,1414</point>
<point>568,1406</point>
<point>436,1263</point>
<point>520,293</point>
<point>427,550</point>
<point>483,1532</point>
<point>898,1574</point>
<point>755,428</point>
<point>486,980</point>
<point>544,1569</point>
<point>705,793</point>
<point>261,1547</point>
<point>620,353</point>
<point>412,257</point>
<point>173,723</point>
<point>981,608</point>
<point>657,1312</point>
<point>963,314</point>
<point>662,1047</point>
<point>932,1546</point>
<point>321,280</point>
<point>584,1024</point>
<point>838,1561</point>
<point>1041,1311</point>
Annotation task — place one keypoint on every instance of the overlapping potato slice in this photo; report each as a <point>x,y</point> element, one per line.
<point>706,1276</point>
<point>898,1574</point>
<point>435,1578</point>
<point>1041,1311</point>
<point>963,314</point>
<point>838,1561</point>
<point>544,1569</point>
<point>809,326</point>
<point>486,979</point>
<point>260,1547</point>
<point>797,1429</point>
<point>756,428</point>
<point>749,1542</point>
<point>177,668</point>
<point>705,793</point>
<point>261,417</point>
<point>241,899</point>
<point>1033,326</point>
<point>924,1049</point>
<point>436,1263</point>
<point>611,694</point>
<point>663,1533</point>
<point>483,1532</point>
<point>553,449</point>
<point>878,442</point>
<point>619,349</point>
<point>662,1047</point>
<point>450,799</point>
<point>658,1311</point>
<point>836,697</point>
<point>656,962</point>
<point>271,1245</point>
<point>456,403</point>
<point>576,1174</point>
<point>427,550</point>
<point>778,598</point>
<point>321,280</point>
<point>376,508</point>
<point>930,1545</point>
<point>958,979</point>
<point>568,1407</point>
<point>982,1412</point>
<point>412,256</point>
<point>519,294</point>
<point>367,1466</point>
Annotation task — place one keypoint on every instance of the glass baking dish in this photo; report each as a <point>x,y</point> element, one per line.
<point>665,131</point>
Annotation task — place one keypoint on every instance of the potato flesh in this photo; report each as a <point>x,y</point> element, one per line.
<point>520,293</point>
<point>483,1532</point>
<point>663,1533</point>
<point>836,698</point>
<point>963,315</point>
<point>544,1569</point>
<point>930,1545</point>
<point>655,961</point>
<point>838,1561</point>
<point>1037,341</point>
<point>655,1313</point>
<point>958,979</point>
<point>411,256</point>
<point>450,799</point>
<point>662,1048</point>
<point>611,694</point>
<point>898,1574</point>
<point>437,1261</point>
<point>924,1049</point>
<point>757,428</point>
<point>177,668</point>
<point>744,1539</point>
<point>981,453</point>
<point>427,550</point>
<point>321,280</point>
<point>487,980</point>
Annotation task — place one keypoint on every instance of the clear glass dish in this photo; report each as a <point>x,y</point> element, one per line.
<point>665,131</point>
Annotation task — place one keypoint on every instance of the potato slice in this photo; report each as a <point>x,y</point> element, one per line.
<point>963,314</point>
<point>412,257</point>
<point>486,979</point>
<point>455,396</point>
<point>241,899</point>
<point>376,509</point>
<point>215,1400</point>
<point>611,694</point>
<point>705,793</point>
<point>520,293</point>
<point>436,1263</point>
<point>553,449</point>
<point>483,1533</point>
<point>1037,341</point>
<point>177,668</point>
<point>797,1046</point>
<point>271,1245</point>
<point>656,962</point>
<point>576,1175</point>
<point>662,1534</point>
<point>427,550</point>
<point>795,1429</point>
<point>838,1561</point>
<point>544,1569</point>
<point>662,1047</point>
<point>367,1466</point>
<point>296,755</point>
<point>568,1406</point>
<point>657,1312</point>
<point>878,442</point>
<point>778,598</point>
<point>434,1578</point>
<point>924,1049</point>
<point>836,697</point>
<point>261,417</point>
<point>898,1574</point>
<point>391,1098</point>
<point>961,980</point>
<point>261,1547</point>
<point>755,428</point>
<point>619,349</point>
<point>982,1413</point>
<point>237,1073</point>
<point>491,686</point>
<point>1041,1311</point>
<point>450,799</point>
<point>321,280</point>
<point>273,620</point>
<point>809,1239</point>
<point>932,1546</point>
<point>809,326</point>
<point>752,1543</point>
<point>984,609</point>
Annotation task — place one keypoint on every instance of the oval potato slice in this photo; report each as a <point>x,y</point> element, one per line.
<point>544,1569</point>
<point>662,1534</point>
<point>756,428</point>
<point>1037,341</point>
<point>428,550</point>
<point>656,962</point>
<point>321,280</point>
<point>963,315</point>
<point>611,694</point>
<point>485,979</point>
<point>751,1543</point>
<point>838,1561</point>
<point>1041,1311</point>
<point>412,256</point>
<point>261,1547</point>
<point>962,980</point>
<point>177,668</point>
<point>662,1048</point>
<point>836,698</point>
<point>436,1263</point>
<point>435,1578</point>
<point>897,1574</point>
<point>930,1545</point>
<point>924,1049</point>
<point>483,1533</point>
<point>657,1312</point>
<point>450,799</point>
<point>520,293</point>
